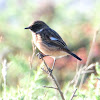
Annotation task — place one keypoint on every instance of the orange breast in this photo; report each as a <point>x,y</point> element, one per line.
<point>46,49</point>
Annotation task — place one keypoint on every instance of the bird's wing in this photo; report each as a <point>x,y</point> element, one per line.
<point>52,38</point>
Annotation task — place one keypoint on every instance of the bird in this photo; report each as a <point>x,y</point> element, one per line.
<point>49,42</point>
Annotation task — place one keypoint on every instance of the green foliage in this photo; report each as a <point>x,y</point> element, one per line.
<point>30,87</point>
<point>98,68</point>
<point>74,26</point>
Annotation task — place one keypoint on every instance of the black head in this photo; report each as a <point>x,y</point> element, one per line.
<point>37,25</point>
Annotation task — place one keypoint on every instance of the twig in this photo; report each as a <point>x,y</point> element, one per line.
<point>55,81</point>
<point>45,94</point>
<point>75,79</point>
<point>4,73</point>
<point>69,83</point>
<point>78,76</point>
<point>98,78</point>
<point>34,50</point>
<point>89,57</point>
<point>44,70</point>
<point>90,66</point>
<point>88,71</point>
<point>50,87</point>
<point>45,64</point>
<point>91,49</point>
<point>73,95</point>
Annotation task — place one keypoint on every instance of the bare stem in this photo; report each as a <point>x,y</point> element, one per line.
<point>50,87</point>
<point>89,57</point>
<point>34,50</point>
<point>73,95</point>
<point>4,73</point>
<point>54,80</point>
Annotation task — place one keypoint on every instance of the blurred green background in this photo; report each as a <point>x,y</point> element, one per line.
<point>75,20</point>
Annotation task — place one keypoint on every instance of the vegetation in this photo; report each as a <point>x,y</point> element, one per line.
<point>77,24</point>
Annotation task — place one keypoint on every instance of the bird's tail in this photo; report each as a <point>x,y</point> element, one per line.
<point>74,55</point>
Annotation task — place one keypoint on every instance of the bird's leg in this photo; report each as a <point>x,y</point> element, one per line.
<point>53,64</point>
<point>40,55</point>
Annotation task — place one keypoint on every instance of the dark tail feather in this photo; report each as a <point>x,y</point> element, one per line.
<point>75,56</point>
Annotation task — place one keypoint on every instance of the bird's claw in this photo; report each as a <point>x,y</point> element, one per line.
<point>40,55</point>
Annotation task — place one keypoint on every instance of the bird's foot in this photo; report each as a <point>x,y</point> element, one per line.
<point>40,55</point>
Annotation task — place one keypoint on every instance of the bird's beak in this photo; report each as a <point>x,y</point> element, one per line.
<point>28,27</point>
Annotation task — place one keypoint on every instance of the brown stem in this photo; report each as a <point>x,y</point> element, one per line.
<point>89,56</point>
<point>50,87</point>
<point>73,95</point>
<point>31,59</point>
<point>54,79</point>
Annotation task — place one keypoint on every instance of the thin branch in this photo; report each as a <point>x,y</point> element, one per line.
<point>4,74</point>
<point>75,79</point>
<point>98,78</point>
<point>89,57</point>
<point>45,94</point>
<point>91,49</point>
<point>88,71</point>
<point>31,59</point>
<point>90,66</point>
<point>54,80</point>
<point>45,64</point>
<point>78,76</point>
<point>50,87</point>
<point>44,70</point>
<point>73,95</point>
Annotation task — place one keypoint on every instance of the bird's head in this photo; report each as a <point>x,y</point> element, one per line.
<point>36,26</point>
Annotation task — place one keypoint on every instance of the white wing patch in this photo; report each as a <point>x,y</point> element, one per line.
<point>41,30</point>
<point>53,38</point>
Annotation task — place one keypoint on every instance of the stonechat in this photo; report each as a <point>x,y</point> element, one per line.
<point>49,41</point>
